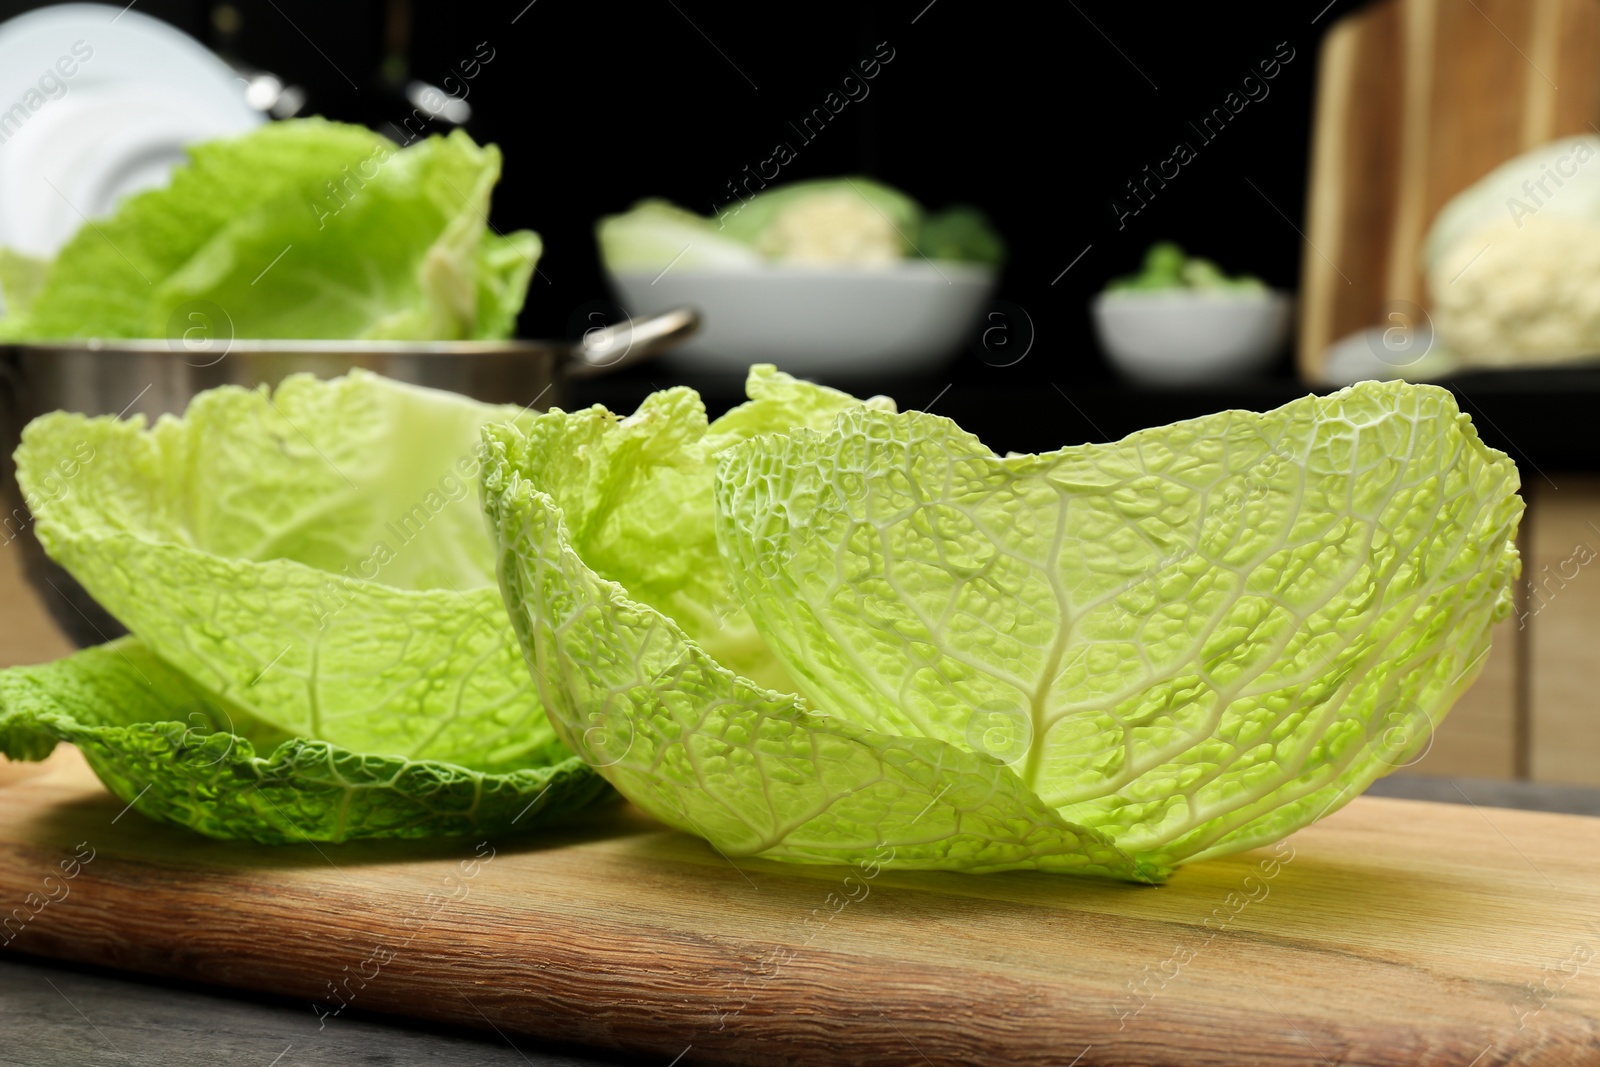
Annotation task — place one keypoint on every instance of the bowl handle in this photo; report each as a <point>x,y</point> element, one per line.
<point>609,348</point>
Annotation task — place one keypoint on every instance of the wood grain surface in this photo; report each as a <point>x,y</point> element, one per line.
<point>1416,100</point>
<point>1561,577</point>
<point>1394,932</point>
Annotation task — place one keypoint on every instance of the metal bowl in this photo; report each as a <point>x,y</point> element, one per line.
<point>160,377</point>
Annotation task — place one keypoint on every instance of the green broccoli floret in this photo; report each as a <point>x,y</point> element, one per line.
<point>1166,266</point>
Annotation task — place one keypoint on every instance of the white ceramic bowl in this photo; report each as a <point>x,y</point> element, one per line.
<point>1184,338</point>
<point>839,321</point>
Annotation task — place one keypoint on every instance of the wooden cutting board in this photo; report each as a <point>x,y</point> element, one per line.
<point>1394,932</point>
<point>1416,100</point>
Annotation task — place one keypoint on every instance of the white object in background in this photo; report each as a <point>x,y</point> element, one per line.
<point>1373,355</point>
<point>1187,337</point>
<point>72,145</point>
<point>835,320</point>
<point>1513,261</point>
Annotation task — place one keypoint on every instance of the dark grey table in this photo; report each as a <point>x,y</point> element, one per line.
<point>54,1015</point>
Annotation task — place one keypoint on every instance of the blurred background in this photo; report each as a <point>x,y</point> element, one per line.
<point>1039,114</point>
<point>1322,144</point>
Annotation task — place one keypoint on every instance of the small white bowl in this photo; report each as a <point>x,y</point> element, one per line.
<point>839,321</point>
<point>1179,337</point>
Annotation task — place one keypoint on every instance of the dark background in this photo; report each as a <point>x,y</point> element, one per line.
<point>1039,113</point>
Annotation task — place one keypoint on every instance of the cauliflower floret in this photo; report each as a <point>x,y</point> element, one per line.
<point>1532,295</point>
<point>831,227</point>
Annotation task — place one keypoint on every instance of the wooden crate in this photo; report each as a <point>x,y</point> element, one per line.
<point>1416,100</point>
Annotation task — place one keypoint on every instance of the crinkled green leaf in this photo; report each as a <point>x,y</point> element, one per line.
<point>21,278</point>
<point>1187,643</point>
<point>313,556</point>
<point>654,234</point>
<point>506,264</point>
<point>962,233</point>
<point>637,493</point>
<point>300,229</point>
<point>176,753</point>
<point>1195,640</point>
<point>826,221</point>
<point>754,771</point>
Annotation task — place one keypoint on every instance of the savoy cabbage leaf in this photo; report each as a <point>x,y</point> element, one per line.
<point>704,749</point>
<point>1108,659</point>
<point>178,754</point>
<point>298,229</point>
<point>312,560</point>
